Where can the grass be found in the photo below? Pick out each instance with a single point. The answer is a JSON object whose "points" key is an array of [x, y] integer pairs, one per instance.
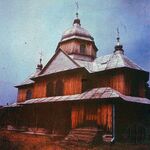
{"points": [[10, 140]]}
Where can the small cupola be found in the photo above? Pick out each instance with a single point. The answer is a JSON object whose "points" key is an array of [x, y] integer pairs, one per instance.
{"points": [[118, 46]]}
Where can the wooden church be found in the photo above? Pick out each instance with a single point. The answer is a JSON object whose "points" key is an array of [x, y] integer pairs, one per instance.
{"points": [[82, 96]]}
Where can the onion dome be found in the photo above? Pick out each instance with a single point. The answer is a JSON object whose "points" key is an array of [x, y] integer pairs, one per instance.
{"points": [[76, 31]]}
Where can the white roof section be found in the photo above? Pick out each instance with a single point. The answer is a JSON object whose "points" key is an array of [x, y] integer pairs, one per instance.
{"points": [[59, 62], [107, 62]]}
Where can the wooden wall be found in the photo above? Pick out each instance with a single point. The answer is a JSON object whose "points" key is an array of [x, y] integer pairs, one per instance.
{"points": [[92, 114], [125, 81], [73, 46], [39, 89], [134, 83], [71, 81], [77, 115], [113, 79], [104, 116], [22, 93], [132, 122]]}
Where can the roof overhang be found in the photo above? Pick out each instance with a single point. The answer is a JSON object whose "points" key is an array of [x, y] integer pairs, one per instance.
{"points": [[98, 94], [60, 72]]}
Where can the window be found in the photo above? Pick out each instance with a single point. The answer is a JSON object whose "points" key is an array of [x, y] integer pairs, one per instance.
{"points": [[59, 90], [28, 94], [49, 89], [82, 48]]}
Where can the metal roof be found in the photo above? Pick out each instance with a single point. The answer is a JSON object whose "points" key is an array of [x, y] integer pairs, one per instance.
{"points": [[76, 31], [105, 93], [63, 62], [27, 81], [11, 105], [112, 61], [59, 62]]}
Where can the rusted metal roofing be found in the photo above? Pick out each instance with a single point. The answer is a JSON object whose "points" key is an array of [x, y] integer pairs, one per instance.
{"points": [[105, 93]]}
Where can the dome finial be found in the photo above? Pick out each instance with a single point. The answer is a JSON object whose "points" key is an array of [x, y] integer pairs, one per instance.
{"points": [[118, 47], [77, 9], [118, 37], [77, 20], [40, 66]]}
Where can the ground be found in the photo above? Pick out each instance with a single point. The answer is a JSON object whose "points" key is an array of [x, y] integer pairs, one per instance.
{"points": [[10, 140]]}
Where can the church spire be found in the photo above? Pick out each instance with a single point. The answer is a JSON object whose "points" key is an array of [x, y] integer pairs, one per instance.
{"points": [[77, 20], [118, 46]]}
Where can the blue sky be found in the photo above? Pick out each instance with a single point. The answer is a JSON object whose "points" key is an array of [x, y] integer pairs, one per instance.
{"points": [[29, 26]]}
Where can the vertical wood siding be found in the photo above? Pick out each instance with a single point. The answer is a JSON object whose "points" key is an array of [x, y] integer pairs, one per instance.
{"points": [[74, 47], [22, 93], [77, 116], [83, 115], [115, 80], [105, 116]]}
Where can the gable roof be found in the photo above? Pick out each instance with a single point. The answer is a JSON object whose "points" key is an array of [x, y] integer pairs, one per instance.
{"points": [[59, 62]]}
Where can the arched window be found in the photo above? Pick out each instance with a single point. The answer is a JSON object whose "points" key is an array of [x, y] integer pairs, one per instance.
{"points": [[82, 48], [49, 89], [59, 90], [28, 94]]}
